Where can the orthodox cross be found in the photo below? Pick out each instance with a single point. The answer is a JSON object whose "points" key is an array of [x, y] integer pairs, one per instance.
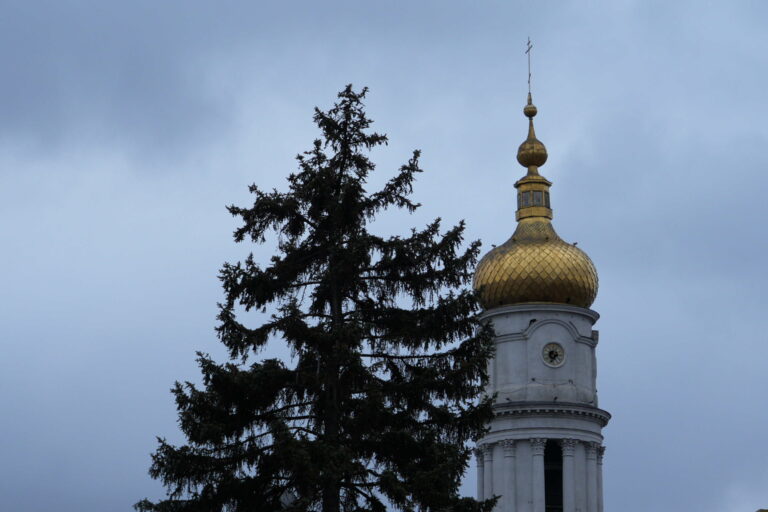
{"points": [[528, 49]]}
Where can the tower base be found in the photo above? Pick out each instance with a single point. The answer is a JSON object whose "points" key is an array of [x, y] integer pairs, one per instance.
{"points": [[543, 452]]}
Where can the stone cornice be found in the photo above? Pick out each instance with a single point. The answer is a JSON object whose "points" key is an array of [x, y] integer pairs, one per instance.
{"points": [[536, 307], [550, 409]]}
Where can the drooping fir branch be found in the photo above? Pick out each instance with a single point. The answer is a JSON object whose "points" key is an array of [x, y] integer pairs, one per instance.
{"points": [[384, 389]]}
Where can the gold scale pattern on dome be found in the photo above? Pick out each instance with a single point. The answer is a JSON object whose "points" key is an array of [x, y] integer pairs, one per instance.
{"points": [[535, 265]]}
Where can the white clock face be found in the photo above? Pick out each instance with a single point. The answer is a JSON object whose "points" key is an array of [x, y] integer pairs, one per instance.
{"points": [[553, 354]]}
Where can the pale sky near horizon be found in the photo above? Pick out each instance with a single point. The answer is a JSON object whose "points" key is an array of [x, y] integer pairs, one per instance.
{"points": [[125, 129]]}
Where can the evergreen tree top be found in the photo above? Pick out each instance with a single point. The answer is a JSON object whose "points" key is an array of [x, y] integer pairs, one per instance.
{"points": [[383, 392]]}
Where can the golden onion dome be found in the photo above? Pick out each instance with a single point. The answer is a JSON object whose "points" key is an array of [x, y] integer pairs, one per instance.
{"points": [[535, 264]]}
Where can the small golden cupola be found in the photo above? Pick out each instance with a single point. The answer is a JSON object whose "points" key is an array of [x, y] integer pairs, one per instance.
{"points": [[535, 265]]}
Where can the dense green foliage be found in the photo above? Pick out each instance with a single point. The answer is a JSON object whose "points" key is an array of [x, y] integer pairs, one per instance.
{"points": [[383, 393]]}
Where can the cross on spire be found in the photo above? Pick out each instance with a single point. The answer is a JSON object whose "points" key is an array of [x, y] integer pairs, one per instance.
{"points": [[528, 48]]}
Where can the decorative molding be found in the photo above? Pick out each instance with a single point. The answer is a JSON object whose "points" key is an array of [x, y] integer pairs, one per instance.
{"points": [[528, 332], [587, 341], [538, 445], [568, 326], [600, 453], [549, 409], [479, 456], [514, 336], [568, 446], [591, 450], [488, 451], [509, 447]]}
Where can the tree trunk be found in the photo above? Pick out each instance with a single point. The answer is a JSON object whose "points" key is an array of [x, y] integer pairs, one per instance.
{"points": [[331, 488]]}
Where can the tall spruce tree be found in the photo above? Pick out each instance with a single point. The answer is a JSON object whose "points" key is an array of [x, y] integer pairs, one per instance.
{"points": [[376, 407]]}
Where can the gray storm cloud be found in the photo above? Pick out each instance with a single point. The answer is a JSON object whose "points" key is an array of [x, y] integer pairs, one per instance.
{"points": [[126, 128]]}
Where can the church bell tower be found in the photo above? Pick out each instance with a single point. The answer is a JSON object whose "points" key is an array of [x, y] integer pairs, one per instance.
{"points": [[544, 450]]}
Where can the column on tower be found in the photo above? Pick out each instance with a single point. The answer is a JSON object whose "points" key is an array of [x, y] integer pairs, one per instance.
{"points": [[600, 452], [480, 471], [592, 477], [510, 477], [537, 451], [580, 476], [488, 471], [569, 483]]}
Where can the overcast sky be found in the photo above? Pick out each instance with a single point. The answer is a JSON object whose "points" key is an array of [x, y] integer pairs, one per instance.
{"points": [[126, 127]]}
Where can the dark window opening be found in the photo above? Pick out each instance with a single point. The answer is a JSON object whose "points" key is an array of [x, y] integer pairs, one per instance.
{"points": [[537, 198], [526, 199], [553, 477]]}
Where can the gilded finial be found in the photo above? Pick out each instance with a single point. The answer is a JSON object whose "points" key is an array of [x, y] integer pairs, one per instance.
{"points": [[531, 154]]}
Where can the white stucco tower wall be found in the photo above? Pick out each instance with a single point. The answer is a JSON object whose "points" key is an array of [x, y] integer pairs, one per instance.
{"points": [[540, 401]]}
